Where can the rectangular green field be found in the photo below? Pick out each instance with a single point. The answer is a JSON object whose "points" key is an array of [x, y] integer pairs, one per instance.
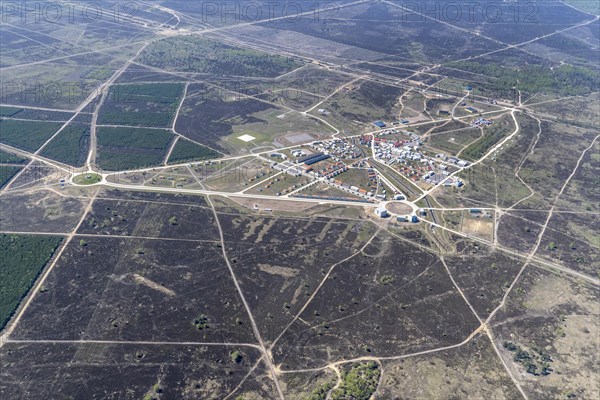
{"points": [[27, 135], [152, 105], [186, 150], [70, 146], [130, 148], [23, 258]]}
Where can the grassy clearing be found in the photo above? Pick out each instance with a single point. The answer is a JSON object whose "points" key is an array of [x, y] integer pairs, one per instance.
{"points": [[87, 179]]}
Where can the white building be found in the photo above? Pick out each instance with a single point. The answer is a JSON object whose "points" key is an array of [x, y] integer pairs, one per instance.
{"points": [[381, 212]]}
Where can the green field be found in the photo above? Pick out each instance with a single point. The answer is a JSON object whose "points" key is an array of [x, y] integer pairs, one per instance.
{"points": [[9, 111], [23, 258], [8, 158], [27, 135], [70, 146], [6, 173], [152, 105], [130, 148], [185, 150]]}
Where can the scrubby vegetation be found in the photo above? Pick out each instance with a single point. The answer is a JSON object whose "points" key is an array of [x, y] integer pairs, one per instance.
{"points": [[535, 363], [70, 146], [359, 383], [320, 393], [565, 80], [201, 322], [27, 135], [196, 54], [23, 257], [185, 150]]}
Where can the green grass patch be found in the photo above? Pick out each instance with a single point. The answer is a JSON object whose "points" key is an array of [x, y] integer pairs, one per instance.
{"points": [[87, 179], [27, 135], [185, 151], [130, 148], [6, 173], [24, 257], [70, 146]]}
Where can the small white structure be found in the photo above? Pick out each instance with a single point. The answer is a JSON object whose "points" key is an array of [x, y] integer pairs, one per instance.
{"points": [[246, 138], [381, 212]]}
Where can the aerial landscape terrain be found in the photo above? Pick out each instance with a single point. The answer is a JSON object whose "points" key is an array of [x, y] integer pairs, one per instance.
{"points": [[338, 200]]}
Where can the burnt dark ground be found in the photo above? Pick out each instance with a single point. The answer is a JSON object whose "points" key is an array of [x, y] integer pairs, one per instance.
{"points": [[393, 298], [120, 371], [109, 286]]}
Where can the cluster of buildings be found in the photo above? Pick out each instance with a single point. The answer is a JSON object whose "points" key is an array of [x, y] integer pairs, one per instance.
{"points": [[479, 213], [337, 148], [290, 168], [410, 161], [453, 160], [381, 212], [331, 170], [366, 193], [481, 122]]}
